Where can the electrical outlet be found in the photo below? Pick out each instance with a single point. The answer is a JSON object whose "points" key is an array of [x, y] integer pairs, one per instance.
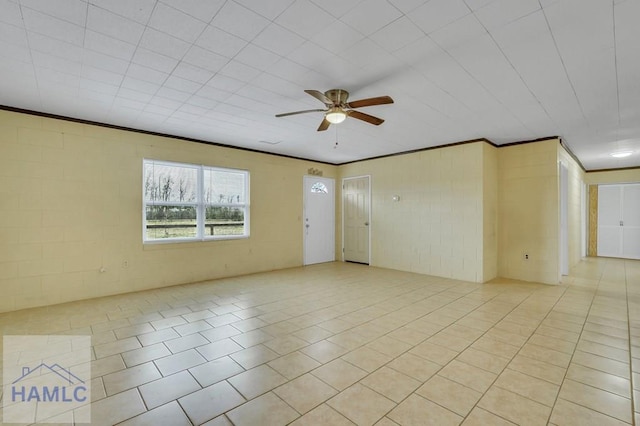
{"points": [[526, 256], [125, 263]]}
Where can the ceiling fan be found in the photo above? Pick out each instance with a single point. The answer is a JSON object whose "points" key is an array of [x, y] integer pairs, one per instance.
{"points": [[338, 109]]}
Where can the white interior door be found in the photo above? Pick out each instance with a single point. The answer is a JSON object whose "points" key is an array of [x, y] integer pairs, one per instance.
{"points": [[609, 216], [356, 219], [319, 220], [631, 221], [619, 221]]}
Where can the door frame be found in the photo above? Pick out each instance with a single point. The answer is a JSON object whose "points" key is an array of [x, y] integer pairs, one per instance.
{"points": [[369, 210], [304, 214]]}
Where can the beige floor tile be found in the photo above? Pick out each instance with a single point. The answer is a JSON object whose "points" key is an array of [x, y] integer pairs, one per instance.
{"points": [[468, 375], [324, 351], [145, 354], [168, 322], [570, 414], [180, 361], [539, 369], [220, 333], [168, 414], [600, 380], [116, 347], [495, 347], [266, 410], [548, 355], [168, 389], [339, 374], [597, 399], [313, 334], [414, 366], [251, 338], [198, 315], [604, 339], [257, 381], [449, 394], [607, 365], [187, 342], [366, 359], [249, 324], [293, 365], [223, 319], [450, 341], [219, 421], [285, 344], [102, 337], [157, 336], [131, 377], [553, 343], [305, 393], [323, 415], [480, 417], [349, 339], [218, 349], [361, 405], [417, 411], [214, 371], [390, 383], [409, 335], [514, 407], [484, 360], [530, 387], [435, 353], [133, 330], [253, 356], [115, 409], [389, 346], [210, 402], [103, 366], [603, 350]]}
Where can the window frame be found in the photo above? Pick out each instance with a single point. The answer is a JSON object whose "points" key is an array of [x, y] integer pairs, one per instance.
{"points": [[199, 204]]}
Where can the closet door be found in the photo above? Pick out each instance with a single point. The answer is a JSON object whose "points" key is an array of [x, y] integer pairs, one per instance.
{"points": [[609, 220], [631, 221]]}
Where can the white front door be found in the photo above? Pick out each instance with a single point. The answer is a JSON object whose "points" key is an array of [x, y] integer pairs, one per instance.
{"points": [[319, 220], [619, 221], [355, 207]]}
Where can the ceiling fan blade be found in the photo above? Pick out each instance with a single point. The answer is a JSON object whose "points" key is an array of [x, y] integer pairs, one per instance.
{"points": [[320, 96], [324, 125], [365, 117], [380, 100], [299, 112]]}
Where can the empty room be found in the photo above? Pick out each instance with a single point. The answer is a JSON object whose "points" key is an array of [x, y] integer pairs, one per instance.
{"points": [[305, 212]]}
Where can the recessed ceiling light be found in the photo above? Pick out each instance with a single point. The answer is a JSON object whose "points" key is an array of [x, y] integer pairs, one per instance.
{"points": [[621, 154]]}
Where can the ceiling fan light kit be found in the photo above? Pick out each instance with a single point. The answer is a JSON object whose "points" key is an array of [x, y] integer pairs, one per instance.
{"points": [[337, 107], [335, 115]]}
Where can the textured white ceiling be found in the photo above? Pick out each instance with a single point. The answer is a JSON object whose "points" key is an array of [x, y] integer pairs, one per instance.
{"points": [[219, 71]]}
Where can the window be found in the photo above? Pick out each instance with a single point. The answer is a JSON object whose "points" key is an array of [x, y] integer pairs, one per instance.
{"points": [[319, 188], [186, 202]]}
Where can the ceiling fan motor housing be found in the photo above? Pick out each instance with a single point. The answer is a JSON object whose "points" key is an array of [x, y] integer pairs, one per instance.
{"points": [[338, 96]]}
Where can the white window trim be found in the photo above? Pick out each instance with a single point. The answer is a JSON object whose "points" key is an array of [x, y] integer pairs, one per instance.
{"points": [[199, 204]]}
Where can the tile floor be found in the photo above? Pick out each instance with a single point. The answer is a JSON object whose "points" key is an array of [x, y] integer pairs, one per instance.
{"points": [[343, 344]]}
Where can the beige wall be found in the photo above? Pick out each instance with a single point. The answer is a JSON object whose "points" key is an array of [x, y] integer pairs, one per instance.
{"points": [[528, 211], [437, 226], [71, 204], [613, 176]]}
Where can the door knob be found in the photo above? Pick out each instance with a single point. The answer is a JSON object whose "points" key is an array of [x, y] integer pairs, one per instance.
{"points": [[366, 224]]}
